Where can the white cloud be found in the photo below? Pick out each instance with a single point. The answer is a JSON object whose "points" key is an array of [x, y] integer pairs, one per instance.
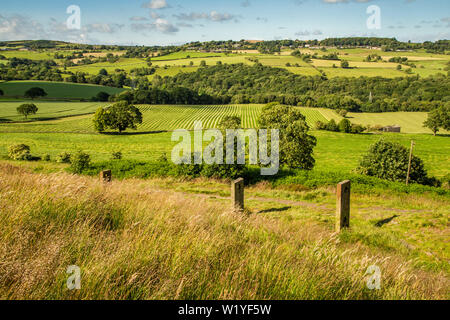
{"points": [[156, 4], [137, 18], [309, 33], [212, 16], [160, 25]]}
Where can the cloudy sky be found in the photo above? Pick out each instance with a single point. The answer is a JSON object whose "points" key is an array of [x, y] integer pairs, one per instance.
{"points": [[164, 22]]}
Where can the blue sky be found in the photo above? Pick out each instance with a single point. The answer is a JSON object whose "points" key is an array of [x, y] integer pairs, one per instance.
{"points": [[164, 22]]}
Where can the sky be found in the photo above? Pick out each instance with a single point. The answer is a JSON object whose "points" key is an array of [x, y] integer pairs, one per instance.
{"points": [[174, 22]]}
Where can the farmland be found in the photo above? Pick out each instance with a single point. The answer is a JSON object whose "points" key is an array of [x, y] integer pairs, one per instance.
{"points": [[426, 63], [168, 118], [131, 236], [55, 90]]}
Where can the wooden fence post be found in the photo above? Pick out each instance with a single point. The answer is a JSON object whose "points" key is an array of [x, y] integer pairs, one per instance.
{"points": [[237, 194], [410, 162], [106, 176], [343, 205]]}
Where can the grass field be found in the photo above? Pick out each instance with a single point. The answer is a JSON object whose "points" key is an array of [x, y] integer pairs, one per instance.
{"points": [[56, 90], [334, 151], [47, 110], [411, 122], [130, 240], [74, 130]]}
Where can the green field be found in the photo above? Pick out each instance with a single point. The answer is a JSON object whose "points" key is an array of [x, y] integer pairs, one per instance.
{"points": [[427, 63], [156, 118], [56, 90], [168, 118], [334, 152], [47, 110], [411, 122]]}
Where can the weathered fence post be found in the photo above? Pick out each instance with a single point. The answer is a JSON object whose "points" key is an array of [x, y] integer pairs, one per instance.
{"points": [[410, 162], [106, 176], [343, 205], [237, 194]]}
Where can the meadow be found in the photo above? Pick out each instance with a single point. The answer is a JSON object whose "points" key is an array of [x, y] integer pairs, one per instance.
{"points": [[56, 90], [130, 244], [334, 152], [65, 126]]}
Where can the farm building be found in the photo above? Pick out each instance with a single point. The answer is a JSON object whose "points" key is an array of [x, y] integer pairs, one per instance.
{"points": [[394, 128]]}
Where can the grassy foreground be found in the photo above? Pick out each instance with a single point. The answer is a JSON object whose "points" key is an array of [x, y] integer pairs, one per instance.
{"points": [[160, 239]]}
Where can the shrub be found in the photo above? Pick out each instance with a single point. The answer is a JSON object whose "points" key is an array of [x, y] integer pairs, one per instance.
{"points": [[63, 157], [446, 181], [321, 126], [332, 126], [80, 161], [389, 160], [345, 126], [19, 152], [46, 157], [116, 155], [357, 129], [345, 64], [375, 128], [342, 112]]}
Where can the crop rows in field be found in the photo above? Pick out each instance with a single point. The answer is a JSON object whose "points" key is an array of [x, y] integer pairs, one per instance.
{"points": [[312, 116], [183, 117], [161, 118]]}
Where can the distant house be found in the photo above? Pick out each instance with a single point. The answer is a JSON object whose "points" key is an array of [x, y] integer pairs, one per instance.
{"points": [[394, 128]]}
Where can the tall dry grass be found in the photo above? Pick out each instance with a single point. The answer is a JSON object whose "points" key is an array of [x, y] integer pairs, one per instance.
{"points": [[133, 241]]}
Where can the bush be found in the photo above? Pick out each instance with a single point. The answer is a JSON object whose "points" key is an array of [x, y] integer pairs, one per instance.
{"points": [[446, 181], [332, 126], [63, 157], [345, 126], [116, 155], [342, 112], [389, 160], [358, 129], [19, 152], [46, 157], [80, 161], [321, 126]]}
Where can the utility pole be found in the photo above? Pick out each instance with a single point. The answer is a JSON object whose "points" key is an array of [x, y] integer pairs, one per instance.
{"points": [[410, 160]]}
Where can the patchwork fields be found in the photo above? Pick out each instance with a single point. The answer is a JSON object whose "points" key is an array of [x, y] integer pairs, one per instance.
{"points": [[187, 61]]}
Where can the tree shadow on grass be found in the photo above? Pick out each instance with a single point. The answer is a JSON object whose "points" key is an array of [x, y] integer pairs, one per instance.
{"points": [[381, 223], [132, 133]]}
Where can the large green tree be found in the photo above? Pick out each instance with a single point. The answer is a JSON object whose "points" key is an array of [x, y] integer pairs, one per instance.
{"points": [[438, 119], [120, 116], [35, 93], [296, 145], [26, 109]]}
